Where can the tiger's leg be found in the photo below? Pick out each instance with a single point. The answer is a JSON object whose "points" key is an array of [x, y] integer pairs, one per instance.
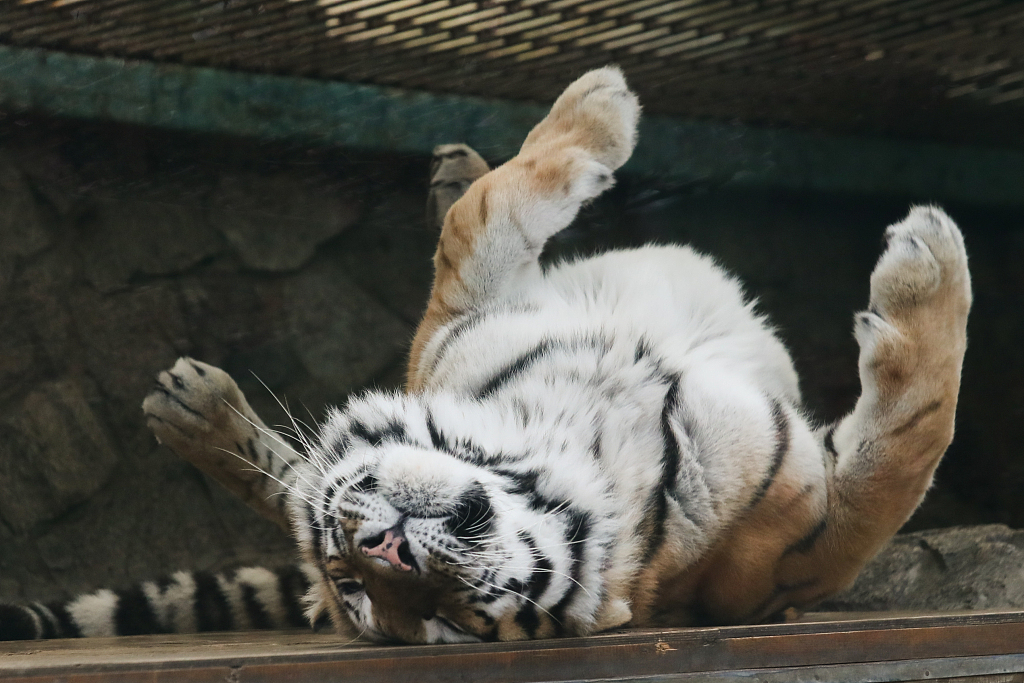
{"points": [[452, 170], [882, 456], [493, 236], [200, 413]]}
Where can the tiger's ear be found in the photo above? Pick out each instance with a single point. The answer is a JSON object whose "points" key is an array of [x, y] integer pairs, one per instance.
{"points": [[452, 170]]}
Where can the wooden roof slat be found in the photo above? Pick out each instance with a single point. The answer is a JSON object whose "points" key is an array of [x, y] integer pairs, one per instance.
{"points": [[556, 28], [334, 7], [662, 42], [522, 26], [681, 15], [1008, 96], [897, 46], [501, 20], [470, 18], [617, 32], [637, 38], [628, 7], [456, 10], [161, 17], [392, 7]]}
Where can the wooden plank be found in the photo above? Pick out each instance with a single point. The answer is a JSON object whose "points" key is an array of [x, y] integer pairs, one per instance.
{"points": [[865, 648]]}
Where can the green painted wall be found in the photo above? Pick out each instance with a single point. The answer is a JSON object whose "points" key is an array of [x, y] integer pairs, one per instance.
{"points": [[371, 117]]}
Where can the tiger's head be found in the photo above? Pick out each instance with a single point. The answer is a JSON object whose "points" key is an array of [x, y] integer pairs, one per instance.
{"points": [[424, 535]]}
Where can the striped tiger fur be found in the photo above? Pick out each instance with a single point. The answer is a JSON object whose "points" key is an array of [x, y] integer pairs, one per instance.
{"points": [[618, 440], [186, 602]]}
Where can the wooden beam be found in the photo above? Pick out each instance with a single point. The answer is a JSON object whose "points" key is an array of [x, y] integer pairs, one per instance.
{"points": [[877, 649], [385, 119]]}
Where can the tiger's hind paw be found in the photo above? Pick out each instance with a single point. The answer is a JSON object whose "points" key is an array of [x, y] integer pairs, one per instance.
{"points": [[924, 263], [914, 334], [597, 113]]}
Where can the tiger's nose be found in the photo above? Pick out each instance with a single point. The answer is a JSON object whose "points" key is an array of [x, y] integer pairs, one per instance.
{"points": [[391, 546]]}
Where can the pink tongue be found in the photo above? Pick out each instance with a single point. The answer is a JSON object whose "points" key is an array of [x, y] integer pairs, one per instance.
{"points": [[388, 550]]}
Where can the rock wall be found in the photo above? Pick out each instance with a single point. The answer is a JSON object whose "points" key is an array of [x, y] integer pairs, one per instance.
{"points": [[960, 568], [122, 249], [303, 273]]}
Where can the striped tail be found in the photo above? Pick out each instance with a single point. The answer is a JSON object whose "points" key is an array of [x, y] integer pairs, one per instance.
{"points": [[187, 602]]}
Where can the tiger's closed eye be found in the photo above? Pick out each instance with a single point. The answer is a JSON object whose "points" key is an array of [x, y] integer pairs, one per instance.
{"points": [[348, 586], [368, 484]]}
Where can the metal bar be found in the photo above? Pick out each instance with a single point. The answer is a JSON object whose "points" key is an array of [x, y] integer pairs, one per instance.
{"points": [[362, 116]]}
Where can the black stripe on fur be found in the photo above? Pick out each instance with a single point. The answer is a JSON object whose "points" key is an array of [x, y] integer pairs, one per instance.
{"points": [[254, 455], [46, 619], [134, 615], [292, 585], [484, 617], [642, 350], [437, 439], [487, 594], [16, 623], [212, 610], [339, 447], [461, 448], [366, 484], [254, 610], [468, 321], [315, 531], [658, 507], [393, 431], [460, 328], [68, 627], [830, 446], [329, 493], [576, 538], [528, 619], [781, 449], [916, 418], [525, 484], [513, 369], [540, 578]]}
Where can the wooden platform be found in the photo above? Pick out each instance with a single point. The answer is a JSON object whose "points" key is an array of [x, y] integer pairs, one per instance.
{"points": [[866, 648]]}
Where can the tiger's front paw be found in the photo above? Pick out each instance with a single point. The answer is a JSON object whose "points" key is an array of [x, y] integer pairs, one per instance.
{"points": [[194, 404], [201, 414]]}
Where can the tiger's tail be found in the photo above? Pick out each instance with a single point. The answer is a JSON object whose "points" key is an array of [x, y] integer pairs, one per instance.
{"points": [[186, 602]]}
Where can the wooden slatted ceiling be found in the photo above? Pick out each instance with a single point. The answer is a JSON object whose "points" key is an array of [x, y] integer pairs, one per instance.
{"points": [[844, 65]]}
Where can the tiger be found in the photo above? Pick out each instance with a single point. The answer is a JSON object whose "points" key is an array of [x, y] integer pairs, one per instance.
{"points": [[603, 442]]}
